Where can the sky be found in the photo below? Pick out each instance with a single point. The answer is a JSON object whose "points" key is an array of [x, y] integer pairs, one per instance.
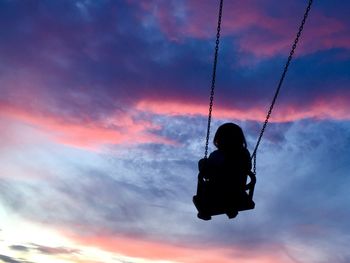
{"points": [[103, 114]]}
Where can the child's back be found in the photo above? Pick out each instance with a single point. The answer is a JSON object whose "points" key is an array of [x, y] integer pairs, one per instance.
{"points": [[228, 171]]}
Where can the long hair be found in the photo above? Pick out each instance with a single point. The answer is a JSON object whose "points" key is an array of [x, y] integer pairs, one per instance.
{"points": [[229, 136]]}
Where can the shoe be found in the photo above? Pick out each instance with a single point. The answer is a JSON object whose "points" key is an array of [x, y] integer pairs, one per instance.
{"points": [[203, 216], [232, 214]]}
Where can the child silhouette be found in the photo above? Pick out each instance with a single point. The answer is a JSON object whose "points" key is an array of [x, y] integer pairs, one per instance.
{"points": [[222, 179]]}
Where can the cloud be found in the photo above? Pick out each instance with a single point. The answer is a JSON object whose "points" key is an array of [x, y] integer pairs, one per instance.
{"points": [[55, 250], [45, 249], [116, 129], [261, 32], [19, 248], [8, 259], [335, 108], [133, 76], [162, 251], [138, 200], [103, 85]]}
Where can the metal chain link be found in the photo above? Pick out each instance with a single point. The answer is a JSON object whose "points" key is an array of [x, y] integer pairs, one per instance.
{"points": [[301, 27], [213, 79]]}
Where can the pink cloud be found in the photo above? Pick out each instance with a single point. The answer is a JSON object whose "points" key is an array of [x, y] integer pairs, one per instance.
{"points": [[157, 250], [320, 33], [90, 134], [126, 129], [331, 108], [258, 32]]}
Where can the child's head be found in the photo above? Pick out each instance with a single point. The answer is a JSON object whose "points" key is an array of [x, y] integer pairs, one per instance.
{"points": [[229, 136]]}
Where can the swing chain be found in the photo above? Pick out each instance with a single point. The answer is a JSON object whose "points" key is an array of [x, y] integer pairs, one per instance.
{"points": [[301, 27], [213, 79]]}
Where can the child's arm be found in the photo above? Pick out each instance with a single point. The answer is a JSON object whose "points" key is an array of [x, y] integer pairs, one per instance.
{"points": [[209, 166], [204, 168], [201, 164]]}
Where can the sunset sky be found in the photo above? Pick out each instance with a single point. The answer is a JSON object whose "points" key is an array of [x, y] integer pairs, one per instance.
{"points": [[103, 111]]}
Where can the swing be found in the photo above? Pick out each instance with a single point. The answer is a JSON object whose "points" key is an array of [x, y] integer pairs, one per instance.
{"points": [[209, 199]]}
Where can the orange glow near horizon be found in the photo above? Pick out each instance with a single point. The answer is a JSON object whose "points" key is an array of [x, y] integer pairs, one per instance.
{"points": [[163, 251], [106, 247]]}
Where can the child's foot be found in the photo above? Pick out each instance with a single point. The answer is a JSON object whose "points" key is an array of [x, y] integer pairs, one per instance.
{"points": [[203, 216], [232, 214]]}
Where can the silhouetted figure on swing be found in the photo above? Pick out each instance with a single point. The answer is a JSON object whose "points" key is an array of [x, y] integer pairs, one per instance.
{"points": [[222, 180]]}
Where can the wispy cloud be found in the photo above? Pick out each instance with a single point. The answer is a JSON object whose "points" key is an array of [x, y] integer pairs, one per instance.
{"points": [[137, 202], [8, 259], [116, 129]]}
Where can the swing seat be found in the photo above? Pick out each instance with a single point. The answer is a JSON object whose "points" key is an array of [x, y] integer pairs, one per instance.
{"points": [[212, 198], [210, 205]]}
